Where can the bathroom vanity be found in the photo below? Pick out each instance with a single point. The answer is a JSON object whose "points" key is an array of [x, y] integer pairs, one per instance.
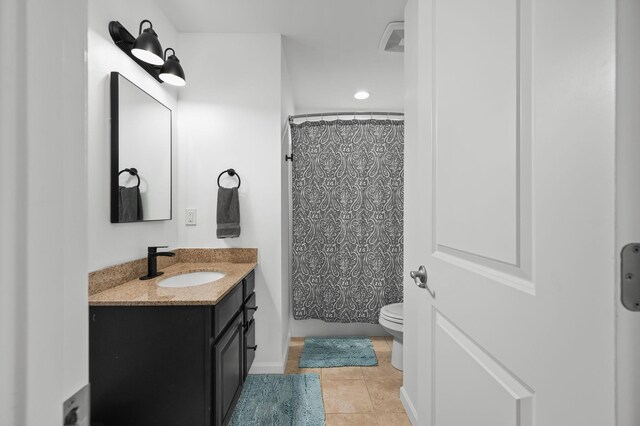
{"points": [[172, 356]]}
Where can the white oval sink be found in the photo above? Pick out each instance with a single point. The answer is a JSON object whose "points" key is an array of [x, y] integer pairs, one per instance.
{"points": [[191, 279]]}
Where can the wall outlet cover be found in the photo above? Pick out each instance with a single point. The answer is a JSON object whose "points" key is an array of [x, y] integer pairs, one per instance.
{"points": [[190, 217], [75, 410]]}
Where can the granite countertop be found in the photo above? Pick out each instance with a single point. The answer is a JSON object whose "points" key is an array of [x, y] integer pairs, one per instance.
{"points": [[139, 292], [119, 285]]}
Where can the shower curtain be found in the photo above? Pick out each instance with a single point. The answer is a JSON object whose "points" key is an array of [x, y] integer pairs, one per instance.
{"points": [[347, 191]]}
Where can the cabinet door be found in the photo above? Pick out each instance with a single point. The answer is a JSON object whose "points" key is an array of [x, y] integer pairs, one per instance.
{"points": [[250, 346], [148, 365], [228, 375]]}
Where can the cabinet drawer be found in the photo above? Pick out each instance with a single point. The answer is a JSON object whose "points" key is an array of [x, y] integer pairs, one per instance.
{"points": [[250, 346], [249, 308], [249, 284], [224, 311]]}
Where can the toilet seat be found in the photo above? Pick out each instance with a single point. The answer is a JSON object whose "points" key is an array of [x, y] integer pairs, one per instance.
{"points": [[393, 313], [390, 325], [391, 320]]}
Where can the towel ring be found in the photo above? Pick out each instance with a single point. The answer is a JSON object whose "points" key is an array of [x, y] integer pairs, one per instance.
{"points": [[230, 172], [133, 172]]}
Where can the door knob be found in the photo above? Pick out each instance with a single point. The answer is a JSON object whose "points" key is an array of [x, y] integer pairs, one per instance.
{"points": [[420, 277]]}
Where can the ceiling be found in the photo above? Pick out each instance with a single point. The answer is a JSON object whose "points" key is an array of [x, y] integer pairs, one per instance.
{"points": [[331, 46]]}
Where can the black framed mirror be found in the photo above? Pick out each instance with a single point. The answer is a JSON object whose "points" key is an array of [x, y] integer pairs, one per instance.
{"points": [[141, 154]]}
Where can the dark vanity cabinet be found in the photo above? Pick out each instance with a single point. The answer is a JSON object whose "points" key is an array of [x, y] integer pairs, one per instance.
{"points": [[171, 365], [228, 372], [249, 324]]}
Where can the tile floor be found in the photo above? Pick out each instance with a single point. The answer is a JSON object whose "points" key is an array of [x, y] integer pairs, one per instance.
{"points": [[358, 396]]}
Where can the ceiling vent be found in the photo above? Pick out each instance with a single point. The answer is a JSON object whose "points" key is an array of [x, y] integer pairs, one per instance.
{"points": [[393, 38]]}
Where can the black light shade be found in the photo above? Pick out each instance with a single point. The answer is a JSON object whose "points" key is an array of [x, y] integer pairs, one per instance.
{"points": [[147, 47], [171, 71]]}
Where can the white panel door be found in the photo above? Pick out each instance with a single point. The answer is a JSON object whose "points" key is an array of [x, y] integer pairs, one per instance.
{"points": [[509, 204], [628, 203]]}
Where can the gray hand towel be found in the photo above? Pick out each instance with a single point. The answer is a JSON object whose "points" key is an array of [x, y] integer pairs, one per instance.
{"points": [[228, 216], [130, 204]]}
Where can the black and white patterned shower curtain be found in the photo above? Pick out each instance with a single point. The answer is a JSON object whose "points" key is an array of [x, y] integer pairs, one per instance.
{"points": [[348, 190]]}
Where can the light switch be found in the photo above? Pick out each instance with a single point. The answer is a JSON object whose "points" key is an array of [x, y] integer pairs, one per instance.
{"points": [[190, 217]]}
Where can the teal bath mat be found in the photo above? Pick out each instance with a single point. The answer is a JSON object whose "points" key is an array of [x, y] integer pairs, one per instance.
{"points": [[280, 400], [337, 352]]}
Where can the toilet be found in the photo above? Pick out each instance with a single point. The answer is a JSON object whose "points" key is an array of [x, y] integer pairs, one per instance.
{"points": [[391, 319]]}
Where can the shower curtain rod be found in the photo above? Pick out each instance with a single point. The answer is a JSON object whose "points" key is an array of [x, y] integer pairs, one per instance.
{"points": [[338, 114]]}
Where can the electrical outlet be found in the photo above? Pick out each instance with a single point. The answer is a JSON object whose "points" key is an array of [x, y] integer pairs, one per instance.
{"points": [[75, 410], [190, 217]]}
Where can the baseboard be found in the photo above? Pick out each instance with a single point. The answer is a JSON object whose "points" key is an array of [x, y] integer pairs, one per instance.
{"points": [[408, 406], [272, 367], [285, 352], [267, 368], [313, 327]]}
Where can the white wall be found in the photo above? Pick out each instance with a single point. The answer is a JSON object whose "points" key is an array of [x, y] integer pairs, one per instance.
{"points": [[109, 243], [43, 225], [288, 108], [13, 226], [413, 296], [230, 117]]}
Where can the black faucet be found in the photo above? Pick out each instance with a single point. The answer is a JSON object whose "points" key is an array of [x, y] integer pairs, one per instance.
{"points": [[152, 261]]}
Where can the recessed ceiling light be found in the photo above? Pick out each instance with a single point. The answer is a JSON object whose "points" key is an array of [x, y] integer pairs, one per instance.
{"points": [[361, 95]]}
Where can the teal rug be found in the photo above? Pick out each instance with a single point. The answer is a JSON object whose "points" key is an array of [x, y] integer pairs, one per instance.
{"points": [[337, 352], [280, 400]]}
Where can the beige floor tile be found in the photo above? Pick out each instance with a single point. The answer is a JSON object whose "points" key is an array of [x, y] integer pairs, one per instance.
{"points": [[393, 419], [385, 395], [293, 368], [351, 420], [297, 341], [346, 396], [384, 358], [389, 340], [380, 345], [384, 369], [341, 373], [296, 348], [294, 353]]}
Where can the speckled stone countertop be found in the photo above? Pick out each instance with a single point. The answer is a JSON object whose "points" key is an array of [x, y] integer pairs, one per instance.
{"points": [[137, 292]]}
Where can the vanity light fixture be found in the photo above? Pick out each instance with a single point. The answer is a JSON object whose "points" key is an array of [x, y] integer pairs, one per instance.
{"points": [[147, 47], [171, 71], [146, 51]]}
